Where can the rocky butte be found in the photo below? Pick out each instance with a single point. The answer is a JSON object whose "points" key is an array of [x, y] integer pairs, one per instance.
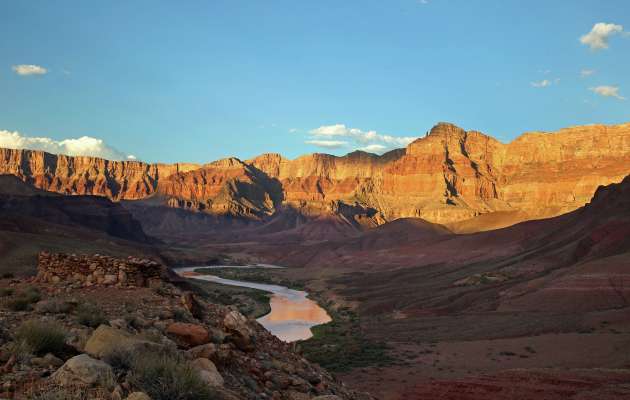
{"points": [[449, 176]]}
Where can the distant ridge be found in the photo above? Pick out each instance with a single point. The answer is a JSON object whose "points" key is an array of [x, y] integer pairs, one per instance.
{"points": [[446, 177]]}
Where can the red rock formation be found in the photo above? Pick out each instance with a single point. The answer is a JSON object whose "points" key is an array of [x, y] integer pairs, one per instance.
{"points": [[449, 175]]}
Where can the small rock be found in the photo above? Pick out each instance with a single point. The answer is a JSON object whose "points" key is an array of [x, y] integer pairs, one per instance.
{"points": [[138, 396], [48, 360], [240, 331], [208, 371], [82, 370], [204, 351], [188, 335], [105, 338]]}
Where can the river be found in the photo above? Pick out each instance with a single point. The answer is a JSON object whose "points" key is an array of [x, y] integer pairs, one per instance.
{"points": [[292, 314]]}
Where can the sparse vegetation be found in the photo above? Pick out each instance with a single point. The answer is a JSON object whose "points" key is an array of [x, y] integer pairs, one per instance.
{"points": [[41, 337], [68, 393], [90, 315], [167, 377], [32, 294], [53, 306], [23, 299], [18, 304], [5, 292], [340, 346], [119, 358]]}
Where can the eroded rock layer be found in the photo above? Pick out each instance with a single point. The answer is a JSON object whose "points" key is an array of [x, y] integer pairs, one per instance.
{"points": [[449, 175]]}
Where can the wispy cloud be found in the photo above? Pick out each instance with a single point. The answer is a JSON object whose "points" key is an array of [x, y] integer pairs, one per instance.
{"points": [[341, 136], [542, 84], [83, 146], [586, 72], [327, 144], [608, 91], [597, 38], [29, 69]]}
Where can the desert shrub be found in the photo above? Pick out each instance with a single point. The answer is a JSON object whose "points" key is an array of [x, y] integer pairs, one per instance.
{"points": [[53, 307], [18, 304], [24, 299], [42, 337], [167, 377], [21, 350], [48, 392], [31, 294], [119, 358], [181, 315], [90, 315], [8, 275], [5, 292]]}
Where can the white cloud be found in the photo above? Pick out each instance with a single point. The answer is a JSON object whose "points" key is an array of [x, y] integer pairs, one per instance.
{"points": [[29, 69], [83, 146], [608, 91], [293, 130], [328, 144], [586, 72], [597, 38], [374, 148], [541, 84], [356, 138]]}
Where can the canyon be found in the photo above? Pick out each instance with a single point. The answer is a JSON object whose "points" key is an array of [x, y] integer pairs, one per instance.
{"points": [[459, 267], [465, 180]]}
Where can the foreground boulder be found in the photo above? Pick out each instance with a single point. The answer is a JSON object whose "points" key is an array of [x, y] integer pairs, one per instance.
{"points": [[240, 332], [83, 370], [105, 339], [188, 335], [208, 371]]}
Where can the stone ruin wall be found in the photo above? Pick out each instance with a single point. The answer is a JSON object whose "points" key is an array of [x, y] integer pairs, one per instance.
{"points": [[98, 270]]}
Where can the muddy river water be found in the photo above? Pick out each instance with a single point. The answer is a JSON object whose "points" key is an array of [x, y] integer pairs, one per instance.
{"points": [[292, 314]]}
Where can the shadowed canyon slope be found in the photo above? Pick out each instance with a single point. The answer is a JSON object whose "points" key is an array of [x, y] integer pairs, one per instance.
{"points": [[449, 176]]}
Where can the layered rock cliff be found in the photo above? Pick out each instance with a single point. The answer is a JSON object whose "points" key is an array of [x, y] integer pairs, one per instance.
{"points": [[447, 176]]}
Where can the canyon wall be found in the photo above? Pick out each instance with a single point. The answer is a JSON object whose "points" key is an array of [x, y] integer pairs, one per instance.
{"points": [[449, 175]]}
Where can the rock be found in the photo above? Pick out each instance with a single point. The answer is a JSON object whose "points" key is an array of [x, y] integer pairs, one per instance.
{"points": [[188, 335], [208, 371], [240, 332], [48, 360], [105, 339], [110, 279], [82, 370], [138, 396], [192, 305], [204, 351]]}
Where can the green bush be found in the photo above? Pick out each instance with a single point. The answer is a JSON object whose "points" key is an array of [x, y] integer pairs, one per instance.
{"points": [[53, 307], [18, 304], [119, 358], [23, 299], [42, 337], [5, 292], [90, 315], [167, 377], [31, 294]]}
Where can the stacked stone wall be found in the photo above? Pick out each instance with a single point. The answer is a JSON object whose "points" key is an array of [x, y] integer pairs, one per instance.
{"points": [[91, 270]]}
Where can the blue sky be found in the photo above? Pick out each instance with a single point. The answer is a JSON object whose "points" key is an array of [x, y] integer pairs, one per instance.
{"points": [[201, 80]]}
